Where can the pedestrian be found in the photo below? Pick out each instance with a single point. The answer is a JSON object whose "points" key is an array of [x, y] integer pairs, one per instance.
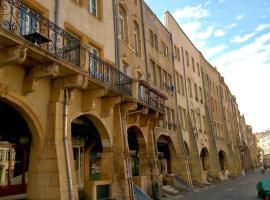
{"points": [[262, 169]]}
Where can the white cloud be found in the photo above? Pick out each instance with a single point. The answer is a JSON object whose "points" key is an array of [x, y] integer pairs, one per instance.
{"points": [[219, 33], [241, 39], [203, 35], [239, 17], [232, 25], [189, 13], [262, 27], [246, 71], [207, 3], [221, 1], [209, 52]]}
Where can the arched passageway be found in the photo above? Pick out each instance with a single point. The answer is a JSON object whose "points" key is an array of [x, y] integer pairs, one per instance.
{"points": [[137, 150], [88, 153], [15, 143], [165, 154], [204, 156], [223, 162]]}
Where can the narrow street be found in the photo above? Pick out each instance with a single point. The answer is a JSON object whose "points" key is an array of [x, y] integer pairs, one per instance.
{"points": [[241, 188]]}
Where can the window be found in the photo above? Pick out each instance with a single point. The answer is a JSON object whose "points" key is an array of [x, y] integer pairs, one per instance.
{"points": [[159, 79], [189, 87], [164, 50], [187, 58], [181, 117], [137, 38], [193, 118], [93, 65], [155, 41], [200, 120], [182, 85], [164, 79], [123, 23], [198, 69], [201, 95], [92, 7], [178, 82], [177, 53], [185, 119], [28, 21], [151, 37], [125, 68], [193, 64], [196, 92], [152, 73]]}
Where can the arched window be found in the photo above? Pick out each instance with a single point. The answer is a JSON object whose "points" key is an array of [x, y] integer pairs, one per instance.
{"points": [[137, 38], [123, 23]]}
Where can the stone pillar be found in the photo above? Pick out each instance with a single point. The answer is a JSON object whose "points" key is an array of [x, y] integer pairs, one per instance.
{"points": [[120, 189]]}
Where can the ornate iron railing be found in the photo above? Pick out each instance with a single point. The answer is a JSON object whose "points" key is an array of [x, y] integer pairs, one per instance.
{"points": [[105, 72], [20, 20], [150, 97]]}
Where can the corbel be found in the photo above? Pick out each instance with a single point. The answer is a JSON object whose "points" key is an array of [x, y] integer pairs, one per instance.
{"points": [[108, 104], [89, 98], [12, 55], [33, 74], [75, 81]]}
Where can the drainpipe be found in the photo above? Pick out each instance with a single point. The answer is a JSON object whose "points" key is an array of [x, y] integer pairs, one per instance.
{"points": [[56, 12], [116, 42], [126, 151], [66, 146], [144, 43]]}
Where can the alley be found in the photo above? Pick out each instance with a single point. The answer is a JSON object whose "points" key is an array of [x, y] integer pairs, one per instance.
{"points": [[241, 188]]}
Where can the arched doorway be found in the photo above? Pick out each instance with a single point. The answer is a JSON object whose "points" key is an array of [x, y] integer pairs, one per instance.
{"points": [[165, 154], [15, 143], [87, 153], [204, 156], [137, 150], [222, 160]]}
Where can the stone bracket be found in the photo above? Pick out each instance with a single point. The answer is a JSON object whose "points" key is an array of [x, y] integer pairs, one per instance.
{"points": [[108, 104], [75, 81], [12, 55], [89, 98], [39, 72]]}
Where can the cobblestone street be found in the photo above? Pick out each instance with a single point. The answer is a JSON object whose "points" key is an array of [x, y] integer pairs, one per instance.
{"points": [[241, 188]]}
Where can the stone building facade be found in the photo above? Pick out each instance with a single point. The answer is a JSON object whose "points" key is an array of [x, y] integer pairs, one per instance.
{"points": [[99, 96]]}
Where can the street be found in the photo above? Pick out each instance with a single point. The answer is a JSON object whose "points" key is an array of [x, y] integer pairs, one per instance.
{"points": [[241, 188]]}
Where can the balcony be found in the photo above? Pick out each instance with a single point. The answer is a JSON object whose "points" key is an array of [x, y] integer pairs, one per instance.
{"points": [[152, 97], [20, 20], [106, 73]]}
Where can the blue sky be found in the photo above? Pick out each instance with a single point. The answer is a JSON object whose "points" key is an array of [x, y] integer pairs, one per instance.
{"points": [[234, 35]]}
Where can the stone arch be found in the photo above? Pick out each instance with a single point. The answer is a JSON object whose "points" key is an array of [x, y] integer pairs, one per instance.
{"points": [[204, 156], [101, 128], [92, 153], [223, 160], [22, 106], [166, 154], [137, 151], [30, 145]]}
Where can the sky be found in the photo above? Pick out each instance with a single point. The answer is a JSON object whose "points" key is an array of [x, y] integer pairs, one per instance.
{"points": [[234, 36]]}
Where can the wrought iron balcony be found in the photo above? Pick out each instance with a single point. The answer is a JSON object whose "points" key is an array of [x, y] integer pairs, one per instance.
{"points": [[151, 96], [105, 72], [19, 19]]}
